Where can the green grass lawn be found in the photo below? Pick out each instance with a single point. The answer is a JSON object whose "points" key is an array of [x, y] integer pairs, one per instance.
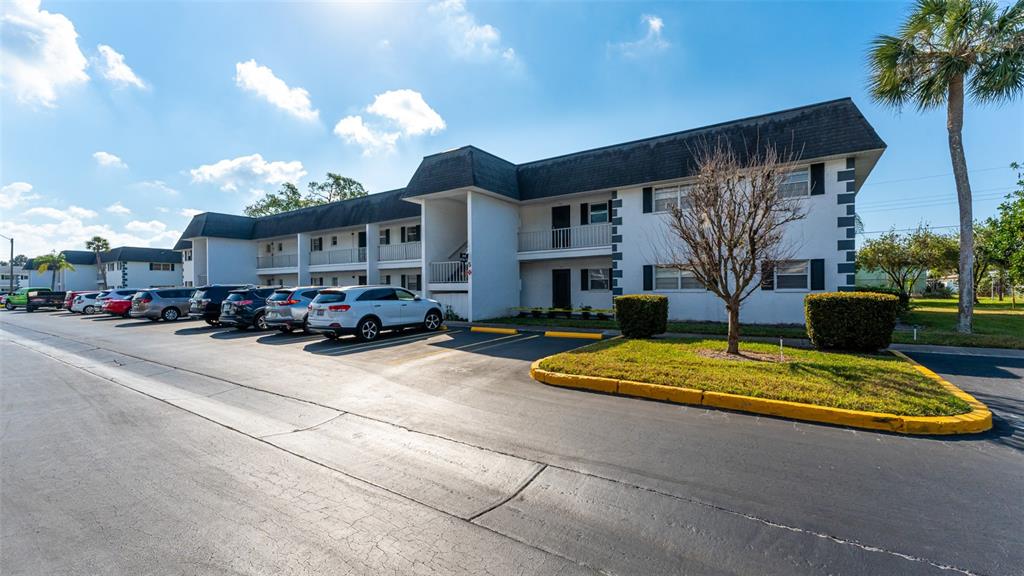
{"points": [[996, 324], [679, 327], [879, 383]]}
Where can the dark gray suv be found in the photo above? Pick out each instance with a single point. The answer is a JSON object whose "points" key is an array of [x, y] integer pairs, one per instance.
{"points": [[161, 303]]}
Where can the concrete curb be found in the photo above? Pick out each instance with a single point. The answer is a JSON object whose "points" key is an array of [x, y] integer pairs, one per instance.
{"points": [[979, 419], [547, 333]]}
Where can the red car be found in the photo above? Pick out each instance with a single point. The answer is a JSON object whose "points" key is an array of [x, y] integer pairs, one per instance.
{"points": [[117, 307]]}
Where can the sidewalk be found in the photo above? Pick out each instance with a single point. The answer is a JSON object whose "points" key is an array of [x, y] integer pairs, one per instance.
{"points": [[793, 342]]}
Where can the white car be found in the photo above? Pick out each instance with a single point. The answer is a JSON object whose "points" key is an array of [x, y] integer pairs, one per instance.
{"points": [[367, 310], [85, 303]]}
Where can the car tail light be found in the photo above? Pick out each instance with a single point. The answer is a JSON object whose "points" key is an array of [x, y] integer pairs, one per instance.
{"points": [[289, 302], [243, 302], [339, 308], [146, 300]]}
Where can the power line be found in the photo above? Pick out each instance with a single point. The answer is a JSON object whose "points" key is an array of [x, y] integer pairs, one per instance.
{"points": [[906, 229], [929, 198], [873, 183], [923, 202]]}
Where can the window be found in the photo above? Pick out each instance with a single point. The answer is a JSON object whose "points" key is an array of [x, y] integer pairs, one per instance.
{"points": [[797, 183], [404, 294], [412, 233], [411, 281], [187, 256], [334, 280], [378, 294], [316, 244], [270, 247], [599, 279], [599, 213], [792, 275], [157, 266], [188, 283], [669, 196], [334, 240], [280, 247], [385, 237], [387, 279], [673, 279]]}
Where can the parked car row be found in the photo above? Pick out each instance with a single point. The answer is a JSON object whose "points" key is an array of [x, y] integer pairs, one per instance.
{"points": [[363, 311]]}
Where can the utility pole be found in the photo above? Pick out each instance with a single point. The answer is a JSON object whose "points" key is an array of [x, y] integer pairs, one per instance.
{"points": [[10, 263]]}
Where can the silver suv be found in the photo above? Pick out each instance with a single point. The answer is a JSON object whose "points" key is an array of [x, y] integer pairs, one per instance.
{"points": [[161, 303], [288, 308]]}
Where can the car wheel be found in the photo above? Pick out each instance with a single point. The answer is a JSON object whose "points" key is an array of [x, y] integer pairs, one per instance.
{"points": [[126, 315], [170, 314], [8, 306], [260, 322], [305, 325], [89, 310], [213, 323], [432, 321], [331, 336], [368, 330]]}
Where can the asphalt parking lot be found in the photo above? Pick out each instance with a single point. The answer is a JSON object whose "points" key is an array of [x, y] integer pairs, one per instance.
{"points": [[436, 453]]}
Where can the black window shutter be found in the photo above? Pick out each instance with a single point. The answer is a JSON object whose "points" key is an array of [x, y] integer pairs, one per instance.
{"points": [[403, 234], [402, 283], [817, 179], [387, 236], [818, 274], [584, 214], [648, 200], [419, 281], [584, 278], [767, 276], [362, 239], [648, 277]]}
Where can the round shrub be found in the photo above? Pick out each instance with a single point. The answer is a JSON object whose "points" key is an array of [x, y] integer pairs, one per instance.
{"points": [[860, 321], [641, 315], [904, 297]]}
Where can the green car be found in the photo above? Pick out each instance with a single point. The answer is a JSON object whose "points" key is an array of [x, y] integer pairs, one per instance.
{"points": [[20, 296]]}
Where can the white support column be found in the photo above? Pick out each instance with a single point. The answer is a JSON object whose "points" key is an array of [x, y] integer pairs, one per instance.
{"points": [[372, 253], [302, 258]]}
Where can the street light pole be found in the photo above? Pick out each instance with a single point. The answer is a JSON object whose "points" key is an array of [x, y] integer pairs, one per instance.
{"points": [[10, 263]]}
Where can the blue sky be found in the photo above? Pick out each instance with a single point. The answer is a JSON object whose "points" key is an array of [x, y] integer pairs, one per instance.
{"points": [[121, 118]]}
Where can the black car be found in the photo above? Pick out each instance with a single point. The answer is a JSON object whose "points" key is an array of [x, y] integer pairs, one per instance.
{"points": [[246, 307], [205, 303]]}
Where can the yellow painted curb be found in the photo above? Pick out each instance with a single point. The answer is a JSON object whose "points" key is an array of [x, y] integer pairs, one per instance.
{"points": [[979, 419], [585, 335], [490, 330]]}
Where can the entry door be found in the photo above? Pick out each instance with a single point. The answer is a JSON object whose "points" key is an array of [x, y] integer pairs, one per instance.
{"points": [[561, 288], [560, 223]]}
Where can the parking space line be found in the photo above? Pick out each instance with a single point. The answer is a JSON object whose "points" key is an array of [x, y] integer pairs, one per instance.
{"points": [[439, 351], [398, 340]]}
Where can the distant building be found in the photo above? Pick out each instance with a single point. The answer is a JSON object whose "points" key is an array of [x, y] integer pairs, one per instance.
{"points": [[123, 267]]}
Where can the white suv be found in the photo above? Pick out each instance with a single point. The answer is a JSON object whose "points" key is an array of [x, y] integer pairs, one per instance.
{"points": [[366, 310]]}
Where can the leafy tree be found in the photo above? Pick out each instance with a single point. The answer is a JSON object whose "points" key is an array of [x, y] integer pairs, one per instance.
{"points": [[54, 262], [730, 228], [334, 189], [1008, 231], [20, 260], [99, 244], [905, 258], [944, 48]]}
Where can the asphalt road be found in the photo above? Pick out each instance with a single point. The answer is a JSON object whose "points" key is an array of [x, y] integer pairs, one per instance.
{"points": [[131, 447]]}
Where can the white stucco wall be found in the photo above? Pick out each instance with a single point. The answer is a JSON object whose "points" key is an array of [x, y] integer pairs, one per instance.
{"points": [[140, 276], [644, 238], [537, 282], [83, 277], [538, 216], [494, 282], [231, 261]]}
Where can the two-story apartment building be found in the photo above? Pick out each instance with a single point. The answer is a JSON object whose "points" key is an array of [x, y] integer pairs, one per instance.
{"points": [[484, 235], [123, 267]]}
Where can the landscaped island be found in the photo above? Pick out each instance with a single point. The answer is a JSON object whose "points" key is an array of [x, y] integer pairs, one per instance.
{"points": [[867, 382]]}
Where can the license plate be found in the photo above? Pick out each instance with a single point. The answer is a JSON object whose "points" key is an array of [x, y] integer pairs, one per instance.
{"points": [[319, 312]]}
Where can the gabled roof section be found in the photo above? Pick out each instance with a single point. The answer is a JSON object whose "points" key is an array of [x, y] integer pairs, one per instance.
{"points": [[140, 254], [80, 257], [219, 226], [830, 128], [461, 168]]}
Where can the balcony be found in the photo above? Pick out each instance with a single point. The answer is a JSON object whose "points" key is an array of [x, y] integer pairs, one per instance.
{"points": [[449, 272], [590, 236], [343, 256], [277, 261], [405, 251]]}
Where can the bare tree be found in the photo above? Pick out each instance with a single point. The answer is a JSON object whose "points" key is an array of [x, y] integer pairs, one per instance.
{"points": [[730, 226]]}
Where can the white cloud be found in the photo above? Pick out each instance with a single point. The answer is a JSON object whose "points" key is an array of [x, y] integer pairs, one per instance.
{"points": [[16, 193], [118, 208], [150, 228], [63, 230], [108, 160], [408, 110], [651, 43], [400, 112], [262, 81], [189, 212], [469, 39], [158, 186], [112, 67], [79, 212], [249, 172], [71, 212], [40, 53]]}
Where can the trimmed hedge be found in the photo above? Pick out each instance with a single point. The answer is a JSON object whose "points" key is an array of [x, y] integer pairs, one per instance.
{"points": [[904, 298], [860, 321], [641, 315]]}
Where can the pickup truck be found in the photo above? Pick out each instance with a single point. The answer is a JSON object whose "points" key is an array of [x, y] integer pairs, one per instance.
{"points": [[20, 297], [44, 299]]}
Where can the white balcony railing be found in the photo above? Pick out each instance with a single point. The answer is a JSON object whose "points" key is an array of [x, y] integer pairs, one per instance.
{"points": [[405, 251], [342, 256], [589, 236], [449, 272], [277, 261]]}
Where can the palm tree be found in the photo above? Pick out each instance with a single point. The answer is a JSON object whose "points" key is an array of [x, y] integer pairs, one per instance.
{"points": [[54, 262], [942, 49], [99, 244]]}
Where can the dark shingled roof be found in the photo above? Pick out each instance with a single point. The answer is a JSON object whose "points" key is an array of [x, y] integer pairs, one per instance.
{"points": [[379, 207], [815, 131], [79, 257], [137, 254]]}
